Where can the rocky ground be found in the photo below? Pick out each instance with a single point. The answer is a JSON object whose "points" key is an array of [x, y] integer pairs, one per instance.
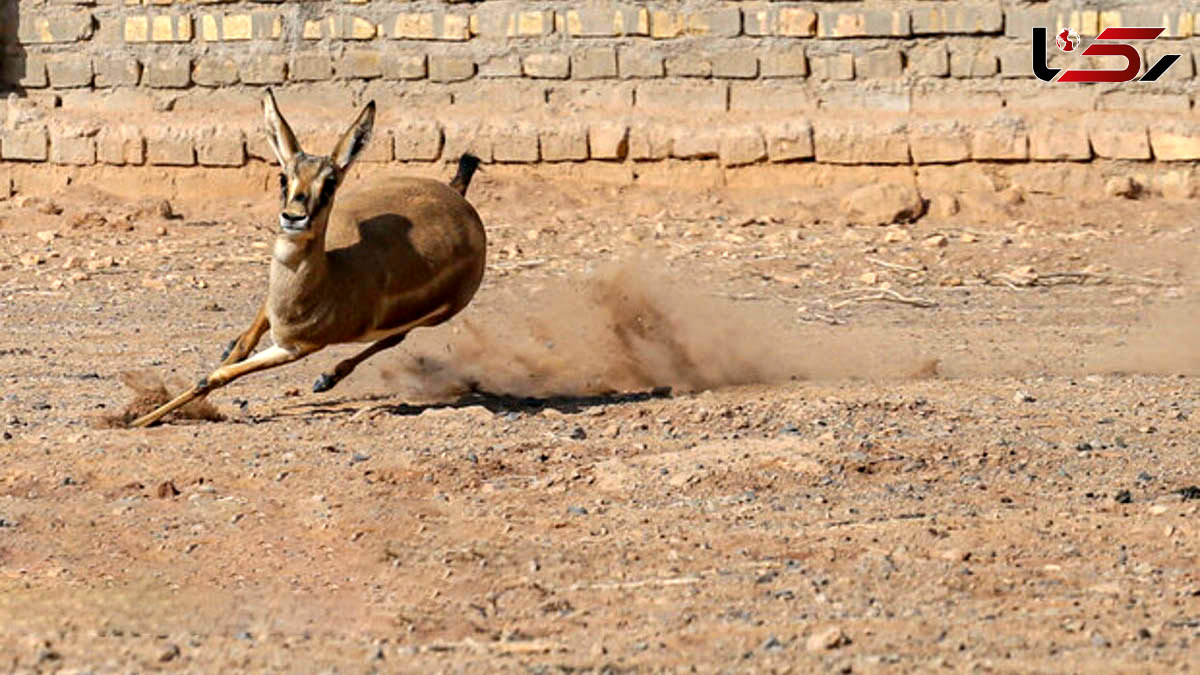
{"points": [[730, 430]]}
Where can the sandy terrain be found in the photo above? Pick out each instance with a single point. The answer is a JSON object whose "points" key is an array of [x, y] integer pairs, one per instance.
{"points": [[964, 444]]}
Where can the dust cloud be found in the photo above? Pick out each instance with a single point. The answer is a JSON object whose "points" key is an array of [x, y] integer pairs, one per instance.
{"points": [[629, 327], [149, 392]]}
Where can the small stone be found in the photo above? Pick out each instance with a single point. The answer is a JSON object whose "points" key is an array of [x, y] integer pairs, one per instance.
{"points": [[1022, 397], [166, 490], [1121, 186], [1158, 510], [869, 278], [830, 638], [896, 234], [772, 644], [935, 241], [1124, 497], [47, 236], [577, 510], [578, 434]]}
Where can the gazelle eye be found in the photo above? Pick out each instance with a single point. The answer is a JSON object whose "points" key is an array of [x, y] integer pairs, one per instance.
{"points": [[283, 185]]}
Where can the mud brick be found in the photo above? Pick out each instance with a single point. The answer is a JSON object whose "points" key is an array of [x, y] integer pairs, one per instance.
{"points": [[69, 27], [1003, 138], [69, 71], [380, 148], [859, 99], [938, 142], [169, 73], [312, 66], [547, 65], [120, 145], [170, 148], [446, 68], [501, 20], [1164, 103], [1052, 140], [789, 140], [166, 28], [500, 65], [1118, 138], [360, 64], [608, 140], [594, 63], [833, 67], [649, 141], [264, 69], [72, 149], [404, 67], [741, 145], [876, 142], [725, 22], [779, 21], [214, 71], [565, 143], [417, 140], [973, 63], [604, 20], [29, 144], [515, 142], [880, 64], [1016, 62], [225, 147], [572, 97], [1176, 140], [350, 27], [502, 96], [1178, 23], [430, 26], [689, 64], [684, 97], [465, 135], [768, 96], [930, 60], [688, 142], [940, 102], [28, 71], [787, 62], [738, 64], [863, 23], [633, 63], [958, 19], [115, 71]]}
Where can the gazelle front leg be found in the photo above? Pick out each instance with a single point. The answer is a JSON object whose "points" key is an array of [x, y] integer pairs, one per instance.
{"points": [[245, 343], [268, 358]]}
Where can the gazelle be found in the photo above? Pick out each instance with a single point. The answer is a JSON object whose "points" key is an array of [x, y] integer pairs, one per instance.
{"points": [[391, 258]]}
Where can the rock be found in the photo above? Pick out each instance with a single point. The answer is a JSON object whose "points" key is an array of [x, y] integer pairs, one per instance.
{"points": [[47, 236], [884, 204], [830, 638], [935, 241], [1121, 186], [897, 234], [943, 206]]}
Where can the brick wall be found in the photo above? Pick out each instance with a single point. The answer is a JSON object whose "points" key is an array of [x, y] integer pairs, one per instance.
{"points": [[177, 82]]}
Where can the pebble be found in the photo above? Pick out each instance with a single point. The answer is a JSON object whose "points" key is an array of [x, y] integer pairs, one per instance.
{"points": [[830, 638], [577, 510]]}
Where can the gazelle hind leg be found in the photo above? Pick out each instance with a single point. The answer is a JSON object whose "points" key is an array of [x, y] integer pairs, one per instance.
{"points": [[268, 358], [330, 379], [245, 343]]}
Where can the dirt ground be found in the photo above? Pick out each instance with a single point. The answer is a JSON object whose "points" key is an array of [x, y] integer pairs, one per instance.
{"points": [[714, 430]]}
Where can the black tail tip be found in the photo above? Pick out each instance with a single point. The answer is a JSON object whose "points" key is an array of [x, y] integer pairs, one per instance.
{"points": [[467, 164]]}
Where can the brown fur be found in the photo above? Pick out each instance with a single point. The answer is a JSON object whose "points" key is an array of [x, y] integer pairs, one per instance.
{"points": [[390, 258]]}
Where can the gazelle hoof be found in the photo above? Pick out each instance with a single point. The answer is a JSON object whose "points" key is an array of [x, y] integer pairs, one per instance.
{"points": [[229, 349], [324, 383]]}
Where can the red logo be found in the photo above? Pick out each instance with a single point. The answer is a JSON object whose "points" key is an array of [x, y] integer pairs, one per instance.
{"points": [[1067, 40]]}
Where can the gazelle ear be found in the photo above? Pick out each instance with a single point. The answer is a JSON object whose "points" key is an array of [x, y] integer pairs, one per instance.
{"points": [[279, 134], [355, 138]]}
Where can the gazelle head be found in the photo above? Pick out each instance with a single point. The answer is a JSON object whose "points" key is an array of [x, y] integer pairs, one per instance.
{"points": [[308, 182]]}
